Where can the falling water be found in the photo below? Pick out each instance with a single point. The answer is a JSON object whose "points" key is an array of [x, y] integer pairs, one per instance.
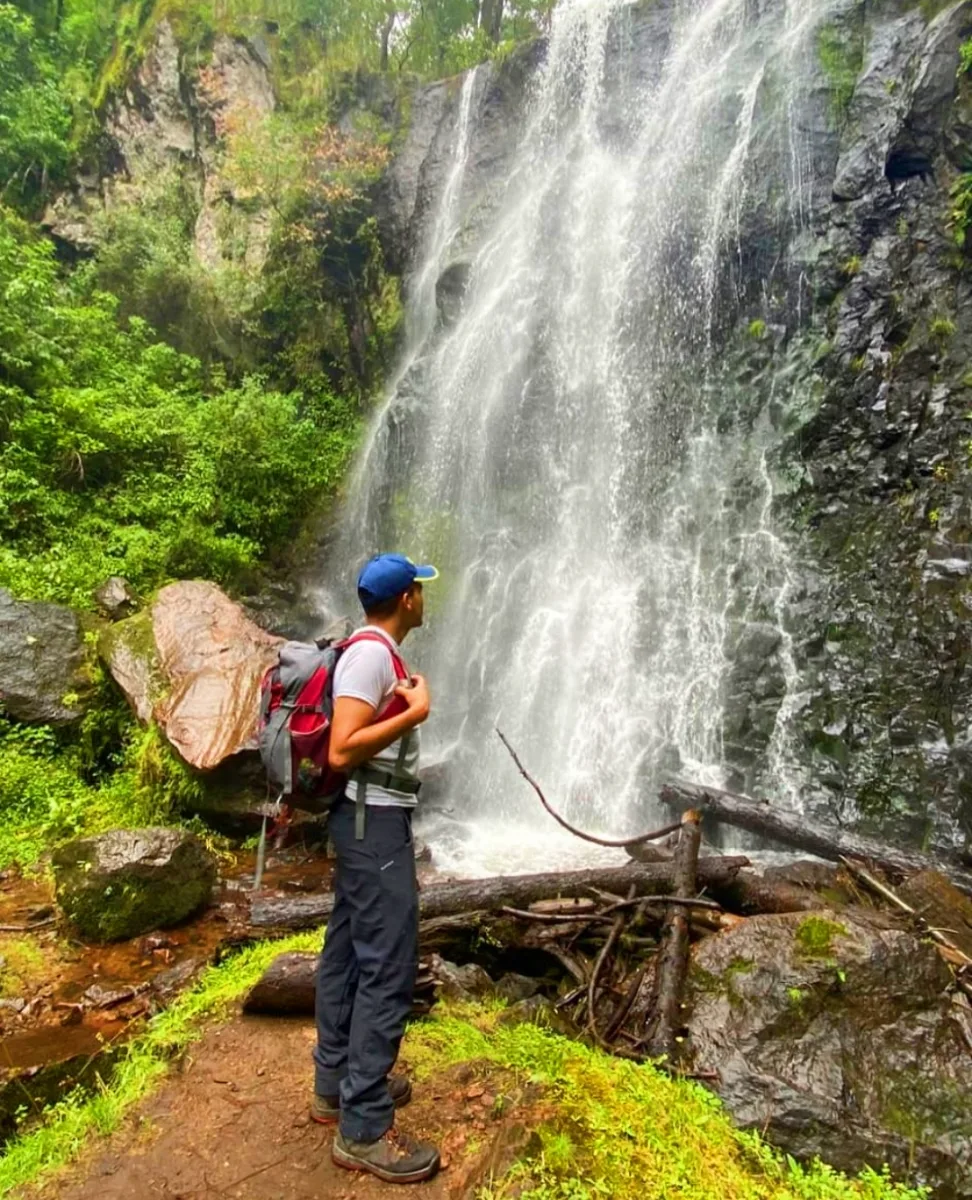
{"points": [[569, 451]]}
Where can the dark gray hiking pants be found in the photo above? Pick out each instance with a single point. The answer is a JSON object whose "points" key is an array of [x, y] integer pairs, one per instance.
{"points": [[367, 968]]}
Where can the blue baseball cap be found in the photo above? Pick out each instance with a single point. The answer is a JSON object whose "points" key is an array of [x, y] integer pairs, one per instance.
{"points": [[389, 575]]}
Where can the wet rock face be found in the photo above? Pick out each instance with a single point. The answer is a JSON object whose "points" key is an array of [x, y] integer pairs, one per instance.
{"points": [[863, 308], [886, 501], [42, 662], [835, 1036], [173, 117], [130, 881]]}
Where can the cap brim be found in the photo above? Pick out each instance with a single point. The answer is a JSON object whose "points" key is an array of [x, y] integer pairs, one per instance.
{"points": [[426, 573]]}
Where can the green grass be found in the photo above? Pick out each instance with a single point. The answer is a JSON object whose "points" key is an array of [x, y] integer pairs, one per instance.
{"points": [[618, 1129]]}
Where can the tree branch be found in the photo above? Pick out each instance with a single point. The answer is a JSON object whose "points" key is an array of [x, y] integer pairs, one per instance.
{"points": [[614, 843]]}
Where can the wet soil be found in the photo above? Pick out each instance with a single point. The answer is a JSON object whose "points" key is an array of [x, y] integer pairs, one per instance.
{"points": [[66, 1005], [232, 1122]]}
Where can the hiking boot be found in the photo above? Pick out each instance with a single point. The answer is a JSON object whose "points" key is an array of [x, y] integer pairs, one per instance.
{"points": [[394, 1158], [325, 1110]]}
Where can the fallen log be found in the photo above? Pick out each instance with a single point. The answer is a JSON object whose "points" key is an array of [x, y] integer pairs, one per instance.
{"points": [[288, 986], [665, 1021], [750, 893], [515, 891], [794, 829]]}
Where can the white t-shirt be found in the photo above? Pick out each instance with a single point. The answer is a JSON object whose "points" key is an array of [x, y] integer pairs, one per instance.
{"points": [[365, 672]]}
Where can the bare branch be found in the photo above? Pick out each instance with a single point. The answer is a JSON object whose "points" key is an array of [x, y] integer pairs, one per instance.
{"points": [[618, 843]]}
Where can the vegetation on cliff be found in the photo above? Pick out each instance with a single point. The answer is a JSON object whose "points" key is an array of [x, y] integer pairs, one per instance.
{"points": [[164, 414]]}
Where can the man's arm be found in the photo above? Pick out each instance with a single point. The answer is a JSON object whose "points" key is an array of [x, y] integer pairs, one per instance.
{"points": [[355, 734]]}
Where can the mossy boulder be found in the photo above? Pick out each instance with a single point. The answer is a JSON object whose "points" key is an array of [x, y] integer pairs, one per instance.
{"points": [[836, 1036], [130, 881]]}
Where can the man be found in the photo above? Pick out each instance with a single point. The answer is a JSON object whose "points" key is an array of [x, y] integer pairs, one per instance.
{"points": [[368, 965]]}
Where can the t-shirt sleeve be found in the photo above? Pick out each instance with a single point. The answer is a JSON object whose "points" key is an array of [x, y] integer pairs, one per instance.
{"points": [[365, 672]]}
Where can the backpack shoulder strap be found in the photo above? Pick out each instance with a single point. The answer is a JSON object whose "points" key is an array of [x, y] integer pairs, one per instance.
{"points": [[363, 635]]}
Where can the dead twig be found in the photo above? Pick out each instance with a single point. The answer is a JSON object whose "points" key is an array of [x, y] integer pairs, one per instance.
{"points": [[29, 928], [612, 937], [617, 843], [883, 890], [553, 918]]}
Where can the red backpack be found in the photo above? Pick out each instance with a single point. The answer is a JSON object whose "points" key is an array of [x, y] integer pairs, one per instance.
{"points": [[294, 733]]}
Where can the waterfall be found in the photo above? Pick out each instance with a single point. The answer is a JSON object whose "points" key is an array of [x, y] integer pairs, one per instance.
{"points": [[570, 451]]}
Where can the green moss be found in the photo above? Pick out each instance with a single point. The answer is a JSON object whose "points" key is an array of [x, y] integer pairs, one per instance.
{"points": [[757, 329], [852, 266], [941, 328], [841, 54], [814, 936], [920, 1114], [21, 966]]}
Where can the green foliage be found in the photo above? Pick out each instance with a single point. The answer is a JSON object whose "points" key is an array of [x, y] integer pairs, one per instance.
{"points": [[116, 460], [965, 58], [941, 328], [757, 329], [35, 118], [51, 789], [144, 258], [851, 267]]}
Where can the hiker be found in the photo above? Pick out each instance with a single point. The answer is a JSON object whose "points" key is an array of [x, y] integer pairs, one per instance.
{"points": [[368, 965]]}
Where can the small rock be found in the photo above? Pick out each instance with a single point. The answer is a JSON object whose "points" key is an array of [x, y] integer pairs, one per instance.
{"points": [[513, 987], [99, 997], [116, 597], [460, 983], [16, 1005]]}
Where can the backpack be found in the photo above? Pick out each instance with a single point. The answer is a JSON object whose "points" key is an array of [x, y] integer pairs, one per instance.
{"points": [[294, 731]]}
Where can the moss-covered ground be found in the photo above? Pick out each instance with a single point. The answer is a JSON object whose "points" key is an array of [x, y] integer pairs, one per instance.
{"points": [[610, 1128]]}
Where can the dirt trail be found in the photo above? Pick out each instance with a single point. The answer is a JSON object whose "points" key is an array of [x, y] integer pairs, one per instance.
{"points": [[232, 1122]]}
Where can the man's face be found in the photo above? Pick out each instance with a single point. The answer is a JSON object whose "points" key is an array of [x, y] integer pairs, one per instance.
{"points": [[414, 602]]}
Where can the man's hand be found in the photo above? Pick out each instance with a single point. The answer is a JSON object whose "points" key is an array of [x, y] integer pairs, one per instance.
{"points": [[416, 696], [355, 734]]}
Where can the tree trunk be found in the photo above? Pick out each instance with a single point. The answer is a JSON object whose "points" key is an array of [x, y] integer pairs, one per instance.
{"points": [[516, 891], [491, 17], [386, 32], [288, 986], [671, 967], [794, 829]]}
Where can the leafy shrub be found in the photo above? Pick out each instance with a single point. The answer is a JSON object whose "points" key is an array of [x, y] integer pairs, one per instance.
{"points": [[116, 460]]}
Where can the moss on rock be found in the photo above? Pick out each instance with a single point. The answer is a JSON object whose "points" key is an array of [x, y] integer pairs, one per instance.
{"points": [[129, 881]]}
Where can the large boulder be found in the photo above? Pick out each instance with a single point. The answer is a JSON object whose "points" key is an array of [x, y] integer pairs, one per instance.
{"points": [[130, 881], [42, 661], [193, 662], [836, 1037]]}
